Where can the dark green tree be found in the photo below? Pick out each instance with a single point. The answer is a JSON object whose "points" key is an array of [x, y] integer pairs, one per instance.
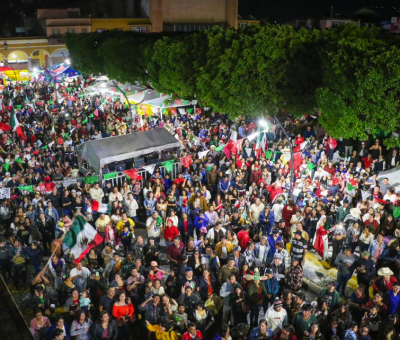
{"points": [[360, 92], [175, 61]]}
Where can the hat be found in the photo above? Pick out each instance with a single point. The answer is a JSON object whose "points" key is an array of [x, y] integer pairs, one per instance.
{"points": [[269, 271], [278, 303], [264, 237], [73, 191], [278, 256], [275, 231], [298, 232], [257, 276], [366, 253], [188, 269], [237, 248], [295, 258], [281, 220], [384, 271], [153, 264]]}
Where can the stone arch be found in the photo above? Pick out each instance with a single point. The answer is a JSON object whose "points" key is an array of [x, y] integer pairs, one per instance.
{"points": [[39, 58], [61, 55], [18, 59]]}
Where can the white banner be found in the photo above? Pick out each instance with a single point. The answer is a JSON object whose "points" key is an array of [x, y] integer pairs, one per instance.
{"points": [[28, 157], [68, 181], [203, 154], [234, 136], [149, 168], [4, 193], [182, 111]]}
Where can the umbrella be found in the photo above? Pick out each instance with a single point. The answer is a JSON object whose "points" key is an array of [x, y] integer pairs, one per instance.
{"points": [[5, 68]]}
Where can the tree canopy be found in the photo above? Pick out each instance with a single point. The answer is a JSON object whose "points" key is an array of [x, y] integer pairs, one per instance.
{"points": [[350, 73]]}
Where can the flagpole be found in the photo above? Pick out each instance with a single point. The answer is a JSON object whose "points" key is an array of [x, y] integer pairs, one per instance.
{"points": [[291, 155]]}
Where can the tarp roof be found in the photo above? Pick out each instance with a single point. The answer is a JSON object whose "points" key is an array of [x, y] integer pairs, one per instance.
{"points": [[113, 149], [143, 96]]}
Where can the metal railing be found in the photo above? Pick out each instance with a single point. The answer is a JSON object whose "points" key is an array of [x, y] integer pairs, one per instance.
{"points": [[121, 177]]}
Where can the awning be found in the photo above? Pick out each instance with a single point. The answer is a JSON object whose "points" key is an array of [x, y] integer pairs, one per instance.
{"points": [[112, 149]]}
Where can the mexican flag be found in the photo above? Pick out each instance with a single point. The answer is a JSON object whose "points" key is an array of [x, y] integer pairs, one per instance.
{"points": [[15, 123], [258, 146], [100, 207], [4, 127], [81, 238]]}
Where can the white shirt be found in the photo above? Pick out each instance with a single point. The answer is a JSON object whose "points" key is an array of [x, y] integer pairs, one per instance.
{"points": [[274, 318], [261, 255], [153, 232], [131, 207], [277, 209], [224, 253], [256, 211]]}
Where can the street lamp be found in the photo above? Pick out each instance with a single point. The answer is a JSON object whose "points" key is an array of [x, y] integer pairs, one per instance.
{"points": [[291, 156], [68, 61], [263, 123]]}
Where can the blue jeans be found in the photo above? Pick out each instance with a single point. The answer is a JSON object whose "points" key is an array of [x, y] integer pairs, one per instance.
{"points": [[342, 280]]}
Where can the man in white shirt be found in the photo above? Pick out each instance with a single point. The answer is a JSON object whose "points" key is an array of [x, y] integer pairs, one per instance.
{"points": [[131, 207], [277, 208], [255, 211], [276, 316], [96, 193], [80, 276], [154, 226]]}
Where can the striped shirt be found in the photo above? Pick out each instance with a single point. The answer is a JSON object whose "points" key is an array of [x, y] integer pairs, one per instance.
{"points": [[299, 247]]}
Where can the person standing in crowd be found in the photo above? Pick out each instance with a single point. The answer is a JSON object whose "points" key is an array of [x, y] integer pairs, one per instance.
{"points": [[212, 225]]}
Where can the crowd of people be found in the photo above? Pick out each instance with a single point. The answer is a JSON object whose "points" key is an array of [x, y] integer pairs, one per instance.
{"points": [[217, 252]]}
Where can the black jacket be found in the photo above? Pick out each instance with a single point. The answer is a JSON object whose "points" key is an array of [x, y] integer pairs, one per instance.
{"points": [[96, 331]]}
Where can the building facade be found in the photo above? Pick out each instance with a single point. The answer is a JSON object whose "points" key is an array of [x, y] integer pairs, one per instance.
{"points": [[157, 16]]}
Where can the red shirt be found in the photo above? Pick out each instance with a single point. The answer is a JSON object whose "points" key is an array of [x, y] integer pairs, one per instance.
{"points": [[187, 336], [170, 233], [175, 252], [367, 162]]}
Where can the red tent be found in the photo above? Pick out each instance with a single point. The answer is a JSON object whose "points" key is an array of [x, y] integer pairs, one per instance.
{"points": [[5, 68]]}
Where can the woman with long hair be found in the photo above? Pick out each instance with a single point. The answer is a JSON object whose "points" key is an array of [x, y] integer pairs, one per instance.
{"points": [[123, 312], [105, 328], [80, 326], [343, 317], [240, 306]]}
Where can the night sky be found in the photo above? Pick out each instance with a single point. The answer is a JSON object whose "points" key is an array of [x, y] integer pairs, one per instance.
{"points": [[268, 10], [284, 10]]}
